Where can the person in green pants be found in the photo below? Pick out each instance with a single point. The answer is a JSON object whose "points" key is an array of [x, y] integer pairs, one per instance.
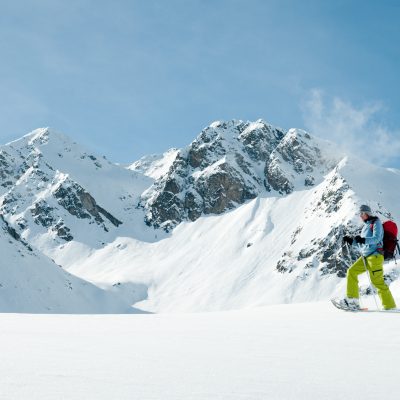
{"points": [[371, 248]]}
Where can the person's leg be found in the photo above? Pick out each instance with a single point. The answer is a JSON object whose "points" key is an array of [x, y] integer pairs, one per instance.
{"points": [[375, 265], [352, 278]]}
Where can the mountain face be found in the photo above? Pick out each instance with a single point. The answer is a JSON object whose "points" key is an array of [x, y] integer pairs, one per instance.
{"points": [[230, 163], [248, 214], [51, 187]]}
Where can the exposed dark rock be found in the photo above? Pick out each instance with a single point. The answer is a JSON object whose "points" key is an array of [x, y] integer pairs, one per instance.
{"points": [[68, 198], [259, 143], [12, 232], [332, 197], [286, 264], [277, 180], [309, 180], [81, 204], [223, 190], [63, 231], [295, 234], [43, 214], [166, 209], [194, 204]]}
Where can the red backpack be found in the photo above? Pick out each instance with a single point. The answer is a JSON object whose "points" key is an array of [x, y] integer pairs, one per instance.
{"points": [[390, 241]]}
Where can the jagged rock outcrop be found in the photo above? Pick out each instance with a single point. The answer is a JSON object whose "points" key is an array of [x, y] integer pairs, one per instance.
{"points": [[215, 173], [298, 160], [81, 204], [7, 228], [229, 163]]}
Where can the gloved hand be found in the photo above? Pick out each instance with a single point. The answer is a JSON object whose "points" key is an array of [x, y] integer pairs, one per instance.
{"points": [[359, 239], [347, 239]]}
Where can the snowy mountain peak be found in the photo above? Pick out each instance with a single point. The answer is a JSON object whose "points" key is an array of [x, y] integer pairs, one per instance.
{"points": [[39, 137], [155, 165], [53, 189], [235, 129], [299, 160], [232, 162]]}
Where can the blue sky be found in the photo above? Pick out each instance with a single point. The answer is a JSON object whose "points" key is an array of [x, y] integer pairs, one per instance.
{"points": [[128, 78]]}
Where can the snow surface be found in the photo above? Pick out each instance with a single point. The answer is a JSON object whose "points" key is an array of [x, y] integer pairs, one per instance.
{"points": [[298, 351], [31, 282]]}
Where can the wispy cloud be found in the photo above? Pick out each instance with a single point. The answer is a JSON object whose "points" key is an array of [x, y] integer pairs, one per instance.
{"points": [[356, 129]]}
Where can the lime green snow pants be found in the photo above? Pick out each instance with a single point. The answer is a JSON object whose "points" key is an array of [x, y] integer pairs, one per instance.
{"points": [[374, 264]]}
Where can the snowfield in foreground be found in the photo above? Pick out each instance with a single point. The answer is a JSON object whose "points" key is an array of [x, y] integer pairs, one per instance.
{"points": [[297, 351]]}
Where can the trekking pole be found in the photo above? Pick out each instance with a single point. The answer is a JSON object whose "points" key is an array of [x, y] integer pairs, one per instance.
{"points": [[369, 278]]}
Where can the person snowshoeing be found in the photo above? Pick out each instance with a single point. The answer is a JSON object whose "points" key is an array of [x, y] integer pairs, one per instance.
{"points": [[371, 248]]}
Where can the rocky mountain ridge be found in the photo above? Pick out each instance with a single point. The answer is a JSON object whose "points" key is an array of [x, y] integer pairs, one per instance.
{"points": [[230, 163]]}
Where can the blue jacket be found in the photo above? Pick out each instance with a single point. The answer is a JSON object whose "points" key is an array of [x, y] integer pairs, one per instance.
{"points": [[372, 231]]}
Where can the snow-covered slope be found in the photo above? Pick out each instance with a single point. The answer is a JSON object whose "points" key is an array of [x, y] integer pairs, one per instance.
{"points": [[31, 282], [245, 215], [155, 165]]}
